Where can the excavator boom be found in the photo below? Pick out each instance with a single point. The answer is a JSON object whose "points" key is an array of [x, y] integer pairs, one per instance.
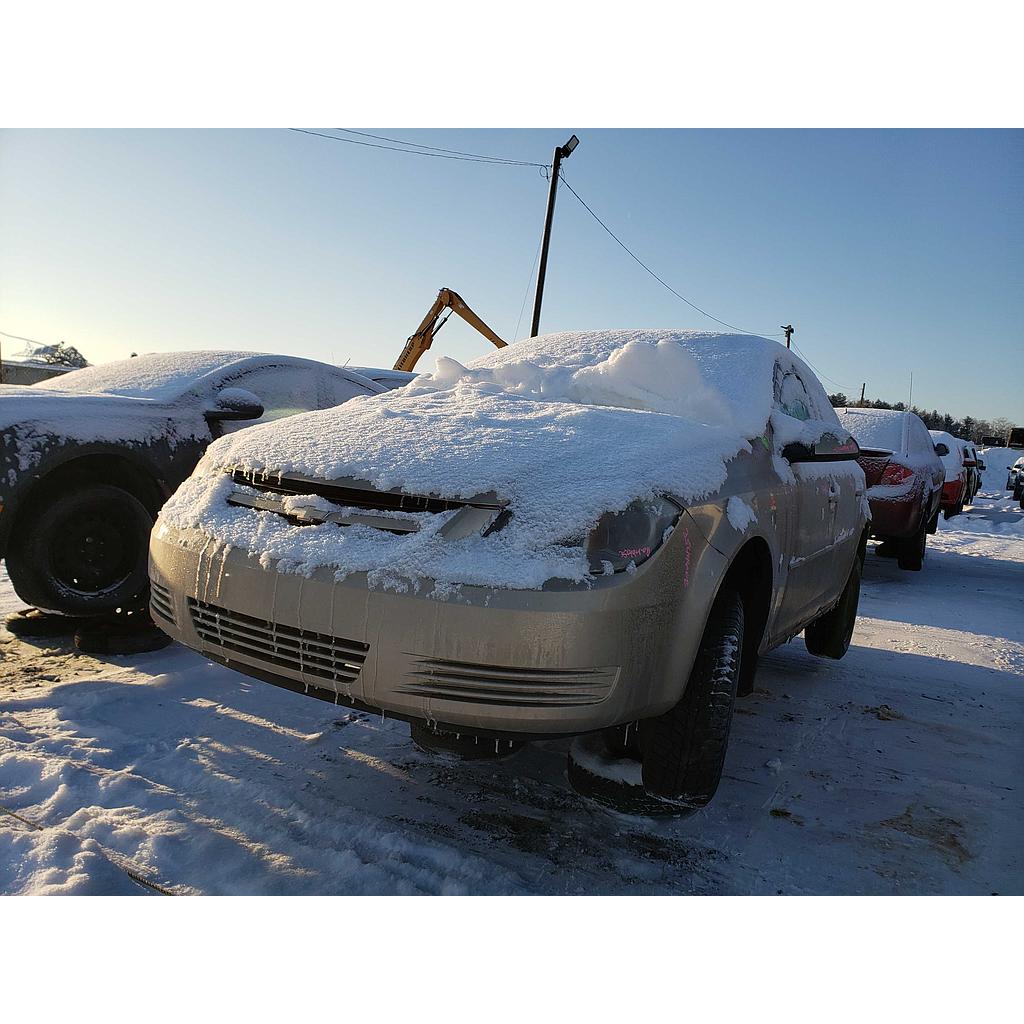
{"points": [[423, 337]]}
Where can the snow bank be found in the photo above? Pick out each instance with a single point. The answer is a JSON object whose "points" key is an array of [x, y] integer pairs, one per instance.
{"points": [[565, 428]]}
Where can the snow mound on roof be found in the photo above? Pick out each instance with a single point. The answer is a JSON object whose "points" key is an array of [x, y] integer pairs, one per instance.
{"points": [[161, 376], [565, 427]]}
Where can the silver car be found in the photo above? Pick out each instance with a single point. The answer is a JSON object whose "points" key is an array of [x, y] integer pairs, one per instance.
{"points": [[646, 654]]}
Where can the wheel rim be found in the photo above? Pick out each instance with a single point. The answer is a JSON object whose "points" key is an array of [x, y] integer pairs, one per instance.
{"points": [[94, 551]]}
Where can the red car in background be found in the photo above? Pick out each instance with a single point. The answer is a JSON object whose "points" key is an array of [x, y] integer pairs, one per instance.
{"points": [[957, 461], [904, 476]]}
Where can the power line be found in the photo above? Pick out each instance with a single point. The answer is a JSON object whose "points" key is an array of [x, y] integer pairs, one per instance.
{"points": [[471, 158], [663, 283], [526, 291], [438, 149], [18, 337], [823, 376]]}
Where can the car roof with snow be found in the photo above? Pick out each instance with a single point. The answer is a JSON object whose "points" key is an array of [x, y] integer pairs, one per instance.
{"points": [[166, 376], [653, 409], [887, 430]]}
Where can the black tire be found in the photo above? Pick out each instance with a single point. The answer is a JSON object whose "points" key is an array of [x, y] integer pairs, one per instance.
{"points": [[829, 635], [910, 553], [1018, 489], [82, 553], [683, 750], [614, 781]]}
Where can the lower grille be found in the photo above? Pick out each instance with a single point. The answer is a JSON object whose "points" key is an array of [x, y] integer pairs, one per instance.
{"points": [[508, 686], [301, 650], [161, 603]]}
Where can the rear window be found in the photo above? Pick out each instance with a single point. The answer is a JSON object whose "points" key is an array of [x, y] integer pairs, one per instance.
{"points": [[874, 429]]}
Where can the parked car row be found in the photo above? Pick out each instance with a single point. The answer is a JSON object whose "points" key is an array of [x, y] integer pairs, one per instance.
{"points": [[963, 469], [904, 477], [513, 551]]}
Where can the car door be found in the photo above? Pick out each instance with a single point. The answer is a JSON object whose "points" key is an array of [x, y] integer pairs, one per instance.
{"points": [[810, 518], [824, 514]]}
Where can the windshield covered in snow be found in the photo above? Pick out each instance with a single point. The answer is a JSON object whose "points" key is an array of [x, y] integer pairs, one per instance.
{"points": [[161, 376]]}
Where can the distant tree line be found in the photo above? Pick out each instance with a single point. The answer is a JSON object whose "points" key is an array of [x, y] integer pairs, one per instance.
{"points": [[969, 429]]}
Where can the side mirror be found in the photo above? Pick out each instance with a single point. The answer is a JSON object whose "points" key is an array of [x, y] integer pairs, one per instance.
{"points": [[941, 449], [234, 404], [828, 448]]}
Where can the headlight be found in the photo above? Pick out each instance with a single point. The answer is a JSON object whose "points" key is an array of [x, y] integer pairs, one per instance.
{"points": [[631, 536]]}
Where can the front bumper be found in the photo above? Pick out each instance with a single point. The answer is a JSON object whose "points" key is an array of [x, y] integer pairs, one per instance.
{"points": [[551, 662]]}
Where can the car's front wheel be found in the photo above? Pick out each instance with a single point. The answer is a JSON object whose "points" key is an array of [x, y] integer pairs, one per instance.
{"points": [[683, 751], [82, 553]]}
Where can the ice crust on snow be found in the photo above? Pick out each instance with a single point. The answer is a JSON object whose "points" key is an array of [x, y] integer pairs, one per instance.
{"points": [[565, 427]]}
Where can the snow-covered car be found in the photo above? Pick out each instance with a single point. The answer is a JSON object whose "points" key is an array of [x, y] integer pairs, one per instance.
{"points": [[957, 487], [86, 461], [582, 532], [1015, 478], [904, 476], [975, 468]]}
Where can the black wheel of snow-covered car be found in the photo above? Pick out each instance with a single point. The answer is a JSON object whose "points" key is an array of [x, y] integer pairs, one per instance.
{"points": [[829, 635], [683, 750], [910, 552], [82, 553]]}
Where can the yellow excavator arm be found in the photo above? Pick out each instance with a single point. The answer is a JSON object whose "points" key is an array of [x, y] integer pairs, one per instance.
{"points": [[423, 338]]}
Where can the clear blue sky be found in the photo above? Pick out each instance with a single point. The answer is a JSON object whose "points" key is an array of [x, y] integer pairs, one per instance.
{"points": [[890, 251]]}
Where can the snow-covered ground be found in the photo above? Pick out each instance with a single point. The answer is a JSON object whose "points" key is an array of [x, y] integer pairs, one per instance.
{"points": [[897, 770]]}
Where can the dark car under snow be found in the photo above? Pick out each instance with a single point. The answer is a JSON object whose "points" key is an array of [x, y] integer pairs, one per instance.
{"points": [[87, 461]]}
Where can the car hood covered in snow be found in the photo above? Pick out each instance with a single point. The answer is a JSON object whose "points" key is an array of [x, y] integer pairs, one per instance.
{"points": [[564, 427]]}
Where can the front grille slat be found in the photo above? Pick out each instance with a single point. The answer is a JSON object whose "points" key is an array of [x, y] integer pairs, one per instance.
{"points": [[309, 648], [301, 650], [510, 686], [160, 601]]}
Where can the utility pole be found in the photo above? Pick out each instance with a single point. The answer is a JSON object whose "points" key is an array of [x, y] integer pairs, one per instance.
{"points": [[789, 329], [561, 153], [862, 387]]}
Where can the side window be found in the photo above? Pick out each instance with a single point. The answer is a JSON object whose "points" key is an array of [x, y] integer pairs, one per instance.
{"points": [[284, 390], [336, 389], [918, 438], [791, 395]]}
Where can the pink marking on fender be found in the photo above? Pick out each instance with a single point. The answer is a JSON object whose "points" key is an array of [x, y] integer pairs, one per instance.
{"points": [[635, 553]]}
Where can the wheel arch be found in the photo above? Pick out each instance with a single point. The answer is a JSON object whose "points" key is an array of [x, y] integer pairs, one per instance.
{"points": [[97, 467], [751, 574]]}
